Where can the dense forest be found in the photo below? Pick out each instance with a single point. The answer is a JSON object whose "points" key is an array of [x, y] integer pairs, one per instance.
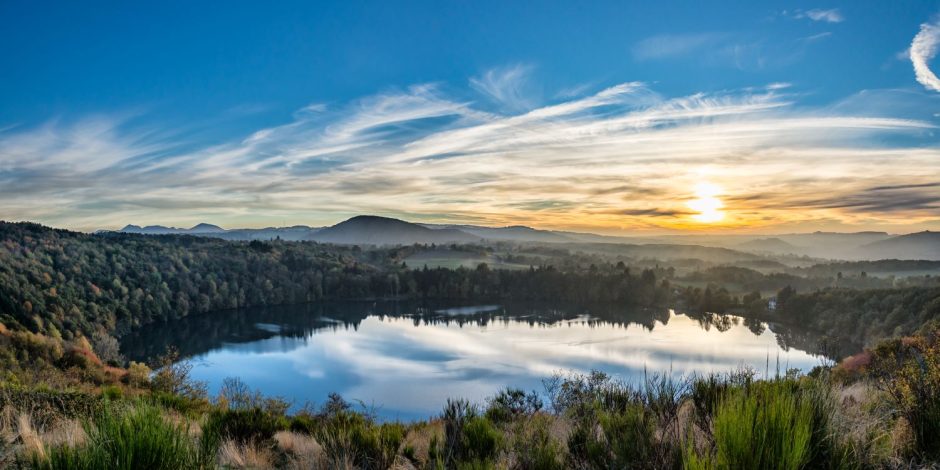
{"points": [[66, 285], [62, 283]]}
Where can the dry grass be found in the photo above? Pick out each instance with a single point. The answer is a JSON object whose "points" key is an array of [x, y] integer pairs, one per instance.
{"points": [[419, 437], [303, 451], [235, 455]]}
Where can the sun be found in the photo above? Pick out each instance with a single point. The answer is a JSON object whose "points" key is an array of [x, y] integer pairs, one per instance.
{"points": [[707, 203]]}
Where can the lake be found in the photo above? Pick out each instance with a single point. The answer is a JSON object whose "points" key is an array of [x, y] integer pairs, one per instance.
{"points": [[407, 359]]}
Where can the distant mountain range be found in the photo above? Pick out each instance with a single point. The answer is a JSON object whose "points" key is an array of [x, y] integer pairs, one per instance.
{"points": [[375, 230]]}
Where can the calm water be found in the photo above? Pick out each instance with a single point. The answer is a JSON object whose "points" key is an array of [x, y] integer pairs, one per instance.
{"points": [[407, 360]]}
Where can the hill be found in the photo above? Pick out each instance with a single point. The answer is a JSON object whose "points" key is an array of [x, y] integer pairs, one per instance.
{"points": [[769, 245], [518, 233], [375, 230], [921, 245]]}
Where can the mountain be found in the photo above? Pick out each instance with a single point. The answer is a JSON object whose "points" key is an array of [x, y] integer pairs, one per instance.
{"points": [[769, 245], [205, 228], [920, 245], [295, 233], [374, 230]]}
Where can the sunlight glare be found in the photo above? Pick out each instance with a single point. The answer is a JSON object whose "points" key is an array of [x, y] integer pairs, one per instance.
{"points": [[707, 203]]}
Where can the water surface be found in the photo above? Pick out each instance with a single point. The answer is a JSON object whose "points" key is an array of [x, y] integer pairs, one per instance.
{"points": [[406, 360]]}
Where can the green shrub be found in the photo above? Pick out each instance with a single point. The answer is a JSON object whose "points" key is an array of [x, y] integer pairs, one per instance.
{"points": [[533, 446], [481, 441], [512, 403], [251, 425], [139, 438], [302, 423], [765, 426], [349, 437], [627, 440], [112, 392]]}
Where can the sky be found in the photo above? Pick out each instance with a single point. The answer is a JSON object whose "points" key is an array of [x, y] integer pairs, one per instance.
{"points": [[610, 117]]}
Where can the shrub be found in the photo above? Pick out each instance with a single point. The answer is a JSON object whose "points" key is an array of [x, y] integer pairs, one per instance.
{"points": [[243, 426], [349, 438], [481, 441], [908, 370], [766, 425], [533, 446], [112, 392], [627, 440], [138, 438], [512, 403]]}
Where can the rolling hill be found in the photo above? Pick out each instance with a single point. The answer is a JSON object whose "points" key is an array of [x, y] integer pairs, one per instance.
{"points": [[920, 245], [374, 230]]}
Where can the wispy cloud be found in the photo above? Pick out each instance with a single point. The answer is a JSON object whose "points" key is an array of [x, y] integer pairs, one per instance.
{"points": [[923, 49], [674, 45], [828, 16], [620, 157], [507, 86]]}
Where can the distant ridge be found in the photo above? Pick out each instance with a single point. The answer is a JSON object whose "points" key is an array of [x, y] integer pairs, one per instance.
{"points": [[510, 233], [769, 245], [921, 245], [375, 230]]}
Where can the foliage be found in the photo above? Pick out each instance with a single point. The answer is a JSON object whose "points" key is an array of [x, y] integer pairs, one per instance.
{"points": [[138, 438], [512, 403], [244, 425], [533, 446], [349, 437], [908, 370], [767, 425]]}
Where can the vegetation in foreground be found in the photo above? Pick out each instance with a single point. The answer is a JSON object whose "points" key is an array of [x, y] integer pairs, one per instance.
{"points": [[880, 409]]}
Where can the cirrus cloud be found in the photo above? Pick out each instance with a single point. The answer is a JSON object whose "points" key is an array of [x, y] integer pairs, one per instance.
{"points": [[624, 157], [923, 49]]}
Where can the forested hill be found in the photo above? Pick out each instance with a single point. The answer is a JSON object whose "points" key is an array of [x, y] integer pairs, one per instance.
{"points": [[60, 282], [63, 284]]}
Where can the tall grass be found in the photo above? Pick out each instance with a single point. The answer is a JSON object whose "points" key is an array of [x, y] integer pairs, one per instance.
{"points": [[137, 438], [768, 425]]}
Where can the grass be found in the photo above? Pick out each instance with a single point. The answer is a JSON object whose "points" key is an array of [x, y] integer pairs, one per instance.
{"points": [[140, 437]]}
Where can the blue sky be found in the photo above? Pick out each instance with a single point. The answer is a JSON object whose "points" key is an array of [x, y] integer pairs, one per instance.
{"points": [[230, 112]]}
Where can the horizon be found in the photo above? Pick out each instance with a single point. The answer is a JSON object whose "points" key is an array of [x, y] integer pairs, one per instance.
{"points": [[659, 120], [317, 227]]}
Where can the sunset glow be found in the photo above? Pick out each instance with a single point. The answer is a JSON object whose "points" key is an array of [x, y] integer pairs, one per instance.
{"points": [[707, 203]]}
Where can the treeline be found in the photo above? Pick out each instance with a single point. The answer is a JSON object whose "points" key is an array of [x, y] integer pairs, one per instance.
{"points": [[67, 284], [743, 279], [64, 283], [861, 316]]}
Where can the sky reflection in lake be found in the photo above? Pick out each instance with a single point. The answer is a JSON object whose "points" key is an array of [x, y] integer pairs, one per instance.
{"points": [[408, 366]]}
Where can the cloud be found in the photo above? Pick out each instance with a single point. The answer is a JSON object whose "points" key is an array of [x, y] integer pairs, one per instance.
{"points": [[506, 86], [674, 45], [620, 157], [828, 16], [923, 49]]}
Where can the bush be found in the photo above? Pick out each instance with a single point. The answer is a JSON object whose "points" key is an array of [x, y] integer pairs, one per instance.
{"points": [[112, 392], [627, 440], [350, 438], [138, 438], [481, 441], [908, 370], [533, 446], [512, 403], [243, 426], [766, 426]]}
